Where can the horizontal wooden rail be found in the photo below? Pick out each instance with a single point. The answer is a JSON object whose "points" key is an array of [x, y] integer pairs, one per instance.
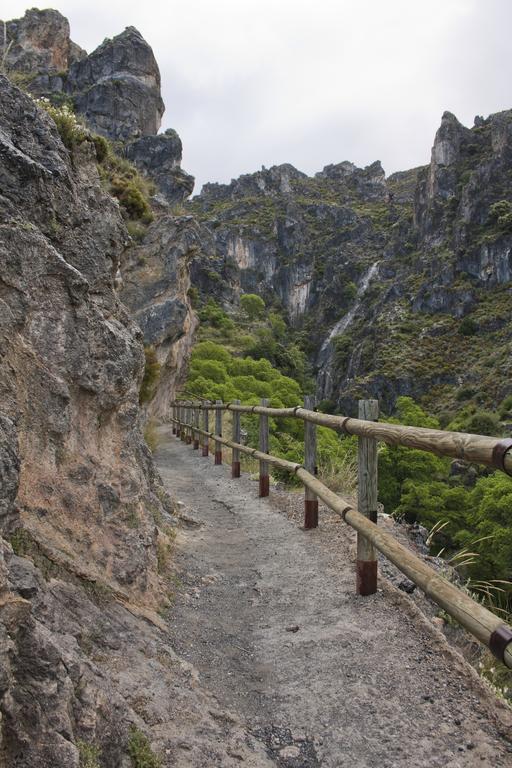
{"points": [[491, 451], [478, 620]]}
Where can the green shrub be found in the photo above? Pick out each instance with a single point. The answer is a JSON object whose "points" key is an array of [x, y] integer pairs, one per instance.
{"points": [[151, 375], [71, 131], [505, 409], [213, 314], [88, 754], [252, 305], [140, 750], [482, 423], [468, 327], [501, 213], [136, 230], [209, 369], [208, 350], [132, 198]]}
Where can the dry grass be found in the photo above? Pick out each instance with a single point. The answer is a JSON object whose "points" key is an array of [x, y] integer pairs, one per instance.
{"points": [[339, 473]]}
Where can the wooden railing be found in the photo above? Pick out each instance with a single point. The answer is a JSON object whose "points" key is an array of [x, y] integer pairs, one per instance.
{"points": [[482, 623]]}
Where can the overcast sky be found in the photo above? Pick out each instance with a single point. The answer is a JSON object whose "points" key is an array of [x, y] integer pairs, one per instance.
{"points": [[248, 83]]}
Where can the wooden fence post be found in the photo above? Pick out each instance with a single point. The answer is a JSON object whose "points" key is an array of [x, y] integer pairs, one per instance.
{"points": [[173, 416], [177, 414], [196, 425], [182, 419], [367, 500], [310, 498], [188, 411], [218, 431], [235, 461], [263, 445], [206, 440]]}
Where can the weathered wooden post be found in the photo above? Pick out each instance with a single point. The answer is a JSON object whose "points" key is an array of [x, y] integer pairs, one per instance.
{"points": [[235, 461], [206, 439], [196, 425], [173, 416], [263, 445], [183, 419], [310, 498], [367, 500], [218, 431], [188, 411]]}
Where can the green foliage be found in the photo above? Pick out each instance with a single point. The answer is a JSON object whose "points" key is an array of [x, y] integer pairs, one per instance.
{"points": [[136, 230], [482, 423], [468, 327], [398, 466], [123, 181], [140, 751], [252, 305], [151, 375], [214, 314], [88, 754], [505, 409], [501, 213], [131, 197], [342, 350], [71, 131]]}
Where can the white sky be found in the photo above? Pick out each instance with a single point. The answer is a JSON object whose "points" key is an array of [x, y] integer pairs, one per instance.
{"points": [[260, 82]]}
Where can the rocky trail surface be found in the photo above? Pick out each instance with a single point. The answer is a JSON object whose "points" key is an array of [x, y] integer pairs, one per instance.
{"points": [[267, 615]]}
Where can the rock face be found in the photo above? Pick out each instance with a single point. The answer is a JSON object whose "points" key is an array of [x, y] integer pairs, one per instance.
{"points": [[159, 158], [156, 281], [39, 43], [376, 274], [81, 507], [117, 88]]}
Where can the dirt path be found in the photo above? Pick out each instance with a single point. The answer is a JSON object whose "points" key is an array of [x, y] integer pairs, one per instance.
{"points": [[268, 616]]}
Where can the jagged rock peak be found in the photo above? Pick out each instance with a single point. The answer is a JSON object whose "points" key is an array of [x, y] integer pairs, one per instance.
{"points": [[39, 43], [268, 181], [448, 139], [369, 181], [117, 87]]}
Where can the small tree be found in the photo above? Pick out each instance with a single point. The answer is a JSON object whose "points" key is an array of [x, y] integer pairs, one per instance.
{"points": [[252, 305]]}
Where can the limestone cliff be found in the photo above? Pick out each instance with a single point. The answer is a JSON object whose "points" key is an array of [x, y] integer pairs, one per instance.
{"points": [[376, 275]]}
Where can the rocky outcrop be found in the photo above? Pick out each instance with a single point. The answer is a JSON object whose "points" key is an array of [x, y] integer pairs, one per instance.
{"points": [[117, 88], [159, 158], [156, 281], [39, 44]]}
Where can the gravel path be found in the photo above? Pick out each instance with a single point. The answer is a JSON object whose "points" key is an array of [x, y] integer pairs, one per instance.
{"points": [[318, 676]]}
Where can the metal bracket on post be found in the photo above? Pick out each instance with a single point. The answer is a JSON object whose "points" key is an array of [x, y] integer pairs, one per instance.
{"points": [[235, 461], [264, 448], [218, 431], [310, 498], [367, 500]]}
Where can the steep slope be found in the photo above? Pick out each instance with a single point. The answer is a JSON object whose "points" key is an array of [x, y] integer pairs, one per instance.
{"points": [[399, 285]]}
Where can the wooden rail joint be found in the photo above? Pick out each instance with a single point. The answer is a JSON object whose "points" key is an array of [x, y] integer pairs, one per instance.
{"points": [[499, 641], [499, 452]]}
